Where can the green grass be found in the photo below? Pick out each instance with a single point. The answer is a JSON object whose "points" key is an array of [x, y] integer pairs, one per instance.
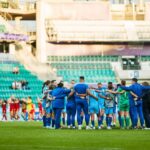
{"points": [[31, 136]]}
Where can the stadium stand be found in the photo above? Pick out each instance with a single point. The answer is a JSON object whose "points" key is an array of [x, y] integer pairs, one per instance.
{"points": [[81, 58], [7, 63], [94, 68]]}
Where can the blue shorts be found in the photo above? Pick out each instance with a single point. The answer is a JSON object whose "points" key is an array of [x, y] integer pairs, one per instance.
{"points": [[64, 111], [48, 107], [101, 106], [82, 106], [71, 108], [71, 105], [94, 109], [114, 109], [49, 110], [108, 110]]}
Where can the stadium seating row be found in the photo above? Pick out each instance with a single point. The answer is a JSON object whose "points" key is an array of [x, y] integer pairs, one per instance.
{"points": [[82, 58], [81, 65], [93, 68]]}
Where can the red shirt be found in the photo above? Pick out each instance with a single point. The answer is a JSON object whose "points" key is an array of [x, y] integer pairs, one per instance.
{"points": [[40, 106], [16, 106], [12, 106], [4, 108]]}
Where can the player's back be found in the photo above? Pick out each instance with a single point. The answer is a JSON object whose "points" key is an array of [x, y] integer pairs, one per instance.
{"points": [[80, 88], [92, 101], [110, 102], [124, 97], [59, 93], [137, 89], [102, 92], [3, 106]]}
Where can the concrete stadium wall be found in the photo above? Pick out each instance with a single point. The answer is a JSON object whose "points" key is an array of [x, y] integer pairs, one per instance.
{"points": [[70, 11], [79, 11], [147, 11], [101, 49]]}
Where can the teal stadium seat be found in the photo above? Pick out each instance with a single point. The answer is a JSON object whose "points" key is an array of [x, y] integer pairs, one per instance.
{"points": [[145, 58], [7, 77], [94, 68]]}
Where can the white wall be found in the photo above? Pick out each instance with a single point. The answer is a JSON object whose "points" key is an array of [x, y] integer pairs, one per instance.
{"points": [[11, 48], [65, 10], [41, 34], [143, 74]]}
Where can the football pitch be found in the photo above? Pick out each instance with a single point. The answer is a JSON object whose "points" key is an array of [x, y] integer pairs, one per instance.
{"points": [[31, 136]]}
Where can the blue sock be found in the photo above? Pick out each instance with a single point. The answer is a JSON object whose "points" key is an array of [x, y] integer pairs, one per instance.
{"points": [[47, 120], [44, 121], [93, 123], [102, 118], [63, 121], [100, 122], [53, 122], [50, 121], [26, 117], [73, 123], [81, 119], [107, 121], [110, 120]]}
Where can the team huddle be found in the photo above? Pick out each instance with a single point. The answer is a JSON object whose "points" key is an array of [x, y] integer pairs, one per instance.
{"points": [[95, 104]]}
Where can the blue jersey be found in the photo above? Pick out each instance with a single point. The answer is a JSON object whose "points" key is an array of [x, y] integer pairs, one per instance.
{"points": [[45, 91], [59, 94], [102, 92], [137, 89], [71, 100], [93, 101], [49, 103], [80, 88], [44, 95], [109, 103]]}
